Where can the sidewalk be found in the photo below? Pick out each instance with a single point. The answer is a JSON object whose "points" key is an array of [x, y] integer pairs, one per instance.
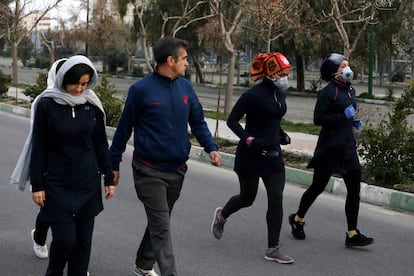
{"points": [[305, 144], [301, 143]]}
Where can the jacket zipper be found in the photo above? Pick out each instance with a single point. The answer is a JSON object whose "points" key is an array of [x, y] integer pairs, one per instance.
{"points": [[73, 112]]}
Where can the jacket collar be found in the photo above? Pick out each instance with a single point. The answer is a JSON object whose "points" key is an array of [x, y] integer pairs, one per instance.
{"points": [[341, 84]]}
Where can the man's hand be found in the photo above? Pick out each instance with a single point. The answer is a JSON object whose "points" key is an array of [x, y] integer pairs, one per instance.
{"points": [[109, 191], [215, 158], [116, 177], [39, 198]]}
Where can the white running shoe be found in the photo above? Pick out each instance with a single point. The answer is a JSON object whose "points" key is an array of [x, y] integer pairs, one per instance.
{"points": [[143, 272], [40, 251]]}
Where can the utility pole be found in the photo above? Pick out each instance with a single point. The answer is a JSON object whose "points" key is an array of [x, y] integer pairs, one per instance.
{"points": [[370, 56], [87, 28]]}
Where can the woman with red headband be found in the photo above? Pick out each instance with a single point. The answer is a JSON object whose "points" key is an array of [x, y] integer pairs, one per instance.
{"points": [[258, 153]]}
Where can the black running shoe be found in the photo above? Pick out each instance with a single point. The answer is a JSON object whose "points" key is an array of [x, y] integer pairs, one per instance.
{"points": [[297, 228], [358, 240]]}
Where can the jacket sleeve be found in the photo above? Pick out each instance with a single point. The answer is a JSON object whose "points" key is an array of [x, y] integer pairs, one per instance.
{"points": [[236, 114], [124, 129], [101, 148], [199, 126], [39, 147]]}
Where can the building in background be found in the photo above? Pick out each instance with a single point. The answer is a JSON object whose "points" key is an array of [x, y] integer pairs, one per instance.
{"points": [[44, 26]]}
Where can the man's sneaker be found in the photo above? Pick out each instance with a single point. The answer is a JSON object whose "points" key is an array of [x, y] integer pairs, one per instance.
{"points": [[218, 224], [297, 228], [143, 272], [358, 240], [276, 255], [40, 251]]}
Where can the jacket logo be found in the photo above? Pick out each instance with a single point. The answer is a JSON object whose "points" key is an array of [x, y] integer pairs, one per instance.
{"points": [[185, 99], [155, 103]]}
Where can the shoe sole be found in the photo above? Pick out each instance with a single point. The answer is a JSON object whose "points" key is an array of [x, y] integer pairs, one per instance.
{"points": [[214, 219], [39, 256], [279, 260], [296, 236], [358, 244], [140, 273]]}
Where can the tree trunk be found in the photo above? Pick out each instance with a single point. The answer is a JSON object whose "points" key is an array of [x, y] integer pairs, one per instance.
{"points": [[199, 72], [14, 65], [300, 73], [228, 102]]}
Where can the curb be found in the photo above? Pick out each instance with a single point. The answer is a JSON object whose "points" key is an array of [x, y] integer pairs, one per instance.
{"points": [[369, 193]]}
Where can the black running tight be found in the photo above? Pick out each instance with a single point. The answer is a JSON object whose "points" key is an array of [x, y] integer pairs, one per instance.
{"points": [[352, 181], [274, 185]]}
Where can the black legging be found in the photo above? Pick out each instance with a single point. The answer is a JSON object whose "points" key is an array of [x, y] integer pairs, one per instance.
{"points": [[40, 233], [71, 245], [274, 185], [352, 181]]}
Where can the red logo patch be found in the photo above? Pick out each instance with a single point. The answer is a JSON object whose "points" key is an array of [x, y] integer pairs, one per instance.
{"points": [[185, 99]]}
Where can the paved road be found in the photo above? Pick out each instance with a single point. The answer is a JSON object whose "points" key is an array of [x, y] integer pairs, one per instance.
{"points": [[239, 253]]}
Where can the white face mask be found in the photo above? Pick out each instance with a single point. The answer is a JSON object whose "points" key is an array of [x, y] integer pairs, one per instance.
{"points": [[281, 83], [347, 74]]}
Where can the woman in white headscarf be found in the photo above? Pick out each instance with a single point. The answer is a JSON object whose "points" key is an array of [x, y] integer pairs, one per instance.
{"points": [[39, 233], [68, 158]]}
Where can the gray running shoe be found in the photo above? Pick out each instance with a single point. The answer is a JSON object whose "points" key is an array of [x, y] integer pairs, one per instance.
{"points": [[276, 255], [218, 224]]}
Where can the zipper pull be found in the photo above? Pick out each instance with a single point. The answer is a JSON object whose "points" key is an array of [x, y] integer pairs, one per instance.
{"points": [[73, 112]]}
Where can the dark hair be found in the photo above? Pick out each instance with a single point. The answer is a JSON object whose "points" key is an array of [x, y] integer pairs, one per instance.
{"points": [[168, 46], [74, 74], [60, 63]]}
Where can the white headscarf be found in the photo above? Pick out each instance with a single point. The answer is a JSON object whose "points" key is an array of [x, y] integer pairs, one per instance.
{"points": [[51, 76], [21, 172]]}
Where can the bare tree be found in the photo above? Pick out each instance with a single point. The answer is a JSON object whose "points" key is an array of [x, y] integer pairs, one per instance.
{"points": [[272, 19], [17, 28], [50, 45], [228, 17], [359, 17], [180, 20], [104, 26], [140, 7]]}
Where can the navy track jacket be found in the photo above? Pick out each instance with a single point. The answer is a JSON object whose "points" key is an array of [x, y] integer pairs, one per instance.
{"points": [[159, 110]]}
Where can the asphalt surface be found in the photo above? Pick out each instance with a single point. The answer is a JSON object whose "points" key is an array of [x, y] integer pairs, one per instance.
{"points": [[119, 227]]}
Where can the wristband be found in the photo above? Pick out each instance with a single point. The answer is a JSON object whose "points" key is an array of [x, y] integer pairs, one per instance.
{"points": [[249, 140]]}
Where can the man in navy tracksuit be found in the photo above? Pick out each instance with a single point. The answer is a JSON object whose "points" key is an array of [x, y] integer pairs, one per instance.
{"points": [[159, 108]]}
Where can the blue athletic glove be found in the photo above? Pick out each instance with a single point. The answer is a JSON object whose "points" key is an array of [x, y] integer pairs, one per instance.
{"points": [[357, 124], [349, 111]]}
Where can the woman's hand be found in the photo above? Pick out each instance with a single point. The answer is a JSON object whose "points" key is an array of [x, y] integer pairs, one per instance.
{"points": [[39, 198]]}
